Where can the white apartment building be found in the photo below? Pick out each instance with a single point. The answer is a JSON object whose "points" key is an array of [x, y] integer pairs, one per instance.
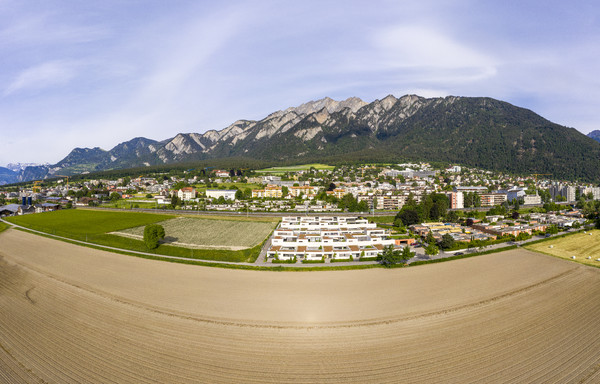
{"points": [[228, 194], [314, 238], [186, 193]]}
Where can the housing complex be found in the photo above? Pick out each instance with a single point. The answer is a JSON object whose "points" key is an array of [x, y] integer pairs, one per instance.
{"points": [[319, 237]]}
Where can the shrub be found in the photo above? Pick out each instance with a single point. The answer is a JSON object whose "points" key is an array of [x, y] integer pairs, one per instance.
{"points": [[431, 250], [153, 233]]}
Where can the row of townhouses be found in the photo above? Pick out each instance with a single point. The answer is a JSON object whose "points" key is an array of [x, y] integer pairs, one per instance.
{"points": [[315, 238]]}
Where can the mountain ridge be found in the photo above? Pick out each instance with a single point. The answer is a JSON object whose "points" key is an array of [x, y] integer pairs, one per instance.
{"points": [[476, 131]]}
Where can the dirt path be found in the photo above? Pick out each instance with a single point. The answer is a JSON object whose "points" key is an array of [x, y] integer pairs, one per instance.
{"points": [[73, 314]]}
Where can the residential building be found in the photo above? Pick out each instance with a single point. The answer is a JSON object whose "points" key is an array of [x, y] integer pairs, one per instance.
{"points": [[532, 199], [227, 194], [314, 238], [566, 191], [305, 190], [513, 193], [476, 189], [187, 193], [456, 200], [221, 173], [491, 199], [270, 191]]}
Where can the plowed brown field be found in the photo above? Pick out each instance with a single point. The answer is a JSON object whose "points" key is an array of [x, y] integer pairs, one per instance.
{"points": [[73, 314]]}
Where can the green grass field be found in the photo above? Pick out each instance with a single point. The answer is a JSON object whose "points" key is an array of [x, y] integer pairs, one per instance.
{"points": [[3, 227], [131, 203], [581, 245], [212, 233], [295, 168], [94, 225], [381, 219], [76, 222]]}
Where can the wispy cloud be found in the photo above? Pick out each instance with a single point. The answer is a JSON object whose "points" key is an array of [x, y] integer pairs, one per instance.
{"points": [[104, 72], [48, 74]]}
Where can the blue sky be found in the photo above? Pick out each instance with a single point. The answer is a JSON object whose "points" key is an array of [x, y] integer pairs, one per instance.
{"points": [[97, 73]]}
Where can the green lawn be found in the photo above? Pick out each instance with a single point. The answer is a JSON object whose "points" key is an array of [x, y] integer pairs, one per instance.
{"points": [[3, 227], [381, 219], [295, 168], [77, 222], [131, 203]]}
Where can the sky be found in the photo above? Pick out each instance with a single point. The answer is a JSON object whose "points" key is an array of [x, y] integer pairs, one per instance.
{"points": [[97, 73]]}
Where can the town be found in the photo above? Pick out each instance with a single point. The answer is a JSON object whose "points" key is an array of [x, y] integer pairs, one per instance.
{"points": [[453, 209]]}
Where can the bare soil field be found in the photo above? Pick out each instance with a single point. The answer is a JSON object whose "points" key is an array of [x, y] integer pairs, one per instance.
{"points": [[73, 314], [209, 233]]}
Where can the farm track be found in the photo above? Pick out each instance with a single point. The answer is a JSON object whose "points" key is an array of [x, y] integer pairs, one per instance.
{"points": [[72, 314]]}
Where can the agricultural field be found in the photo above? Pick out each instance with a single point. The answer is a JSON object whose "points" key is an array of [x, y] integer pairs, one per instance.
{"points": [[85, 315], [210, 233], [295, 168], [131, 203], [581, 245], [98, 227], [75, 223]]}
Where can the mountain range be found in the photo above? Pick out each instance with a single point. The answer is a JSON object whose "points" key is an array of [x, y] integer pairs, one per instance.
{"points": [[473, 131]]}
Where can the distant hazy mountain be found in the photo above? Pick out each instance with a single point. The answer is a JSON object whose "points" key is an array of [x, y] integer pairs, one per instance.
{"points": [[8, 176], [594, 135], [480, 132]]}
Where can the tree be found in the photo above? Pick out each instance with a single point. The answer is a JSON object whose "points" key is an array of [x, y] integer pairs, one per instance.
{"points": [[431, 250], [430, 239], [553, 229], [447, 241], [515, 215], [115, 196], [363, 206], [408, 216], [391, 256], [149, 196], [407, 254], [452, 216], [153, 233], [284, 191]]}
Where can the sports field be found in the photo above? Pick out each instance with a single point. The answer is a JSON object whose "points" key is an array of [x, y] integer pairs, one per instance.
{"points": [[581, 245], [73, 314], [210, 233]]}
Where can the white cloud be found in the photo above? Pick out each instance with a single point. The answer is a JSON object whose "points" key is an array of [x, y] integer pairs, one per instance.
{"points": [[415, 46], [44, 75]]}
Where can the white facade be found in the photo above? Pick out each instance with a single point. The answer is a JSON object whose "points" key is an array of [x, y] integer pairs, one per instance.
{"points": [[228, 194], [532, 199], [314, 238], [457, 200], [186, 193]]}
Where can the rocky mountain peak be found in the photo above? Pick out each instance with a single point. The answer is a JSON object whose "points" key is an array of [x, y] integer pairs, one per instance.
{"points": [[354, 103]]}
